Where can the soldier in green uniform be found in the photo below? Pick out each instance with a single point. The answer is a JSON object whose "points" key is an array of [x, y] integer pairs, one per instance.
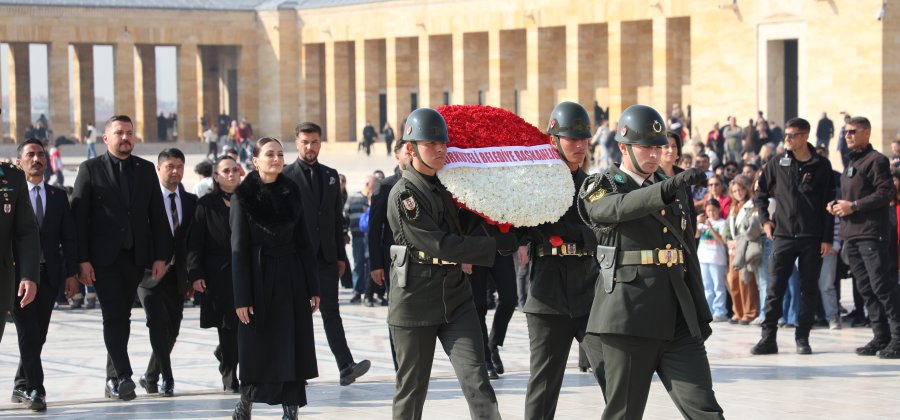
{"points": [[649, 310], [430, 298], [19, 233], [563, 274]]}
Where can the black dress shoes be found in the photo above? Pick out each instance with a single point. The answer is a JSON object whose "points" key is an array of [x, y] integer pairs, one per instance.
{"points": [[495, 359], [870, 349], [19, 395], [167, 389], [150, 387], [353, 371], [491, 371], [290, 412], [765, 346], [126, 389], [37, 401], [803, 346]]}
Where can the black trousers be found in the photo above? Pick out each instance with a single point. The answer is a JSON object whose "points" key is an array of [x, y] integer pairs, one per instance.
{"points": [[228, 357], [116, 286], [682, 367], [164, 307], [784, 252], [504, 274], [331, 314], [550, 339], [32, 323], [876, 278]]}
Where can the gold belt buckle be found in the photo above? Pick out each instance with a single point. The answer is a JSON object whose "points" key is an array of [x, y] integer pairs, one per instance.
{"points": [[669, 257], [567, 249], [646, 257]]}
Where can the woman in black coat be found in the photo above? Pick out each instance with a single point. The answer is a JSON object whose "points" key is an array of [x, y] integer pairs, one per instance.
{"points": [[209, 266], [276, 290]]}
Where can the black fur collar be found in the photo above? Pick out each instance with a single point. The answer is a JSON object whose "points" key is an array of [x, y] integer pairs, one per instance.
{"points": [[271, 206]]}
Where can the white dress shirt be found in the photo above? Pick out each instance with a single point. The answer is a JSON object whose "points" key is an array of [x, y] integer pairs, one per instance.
{"points": [[33, 196], [168, 205]]}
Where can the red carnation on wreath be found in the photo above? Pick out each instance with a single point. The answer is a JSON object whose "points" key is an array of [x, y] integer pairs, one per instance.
{"points": [[503, 168]]}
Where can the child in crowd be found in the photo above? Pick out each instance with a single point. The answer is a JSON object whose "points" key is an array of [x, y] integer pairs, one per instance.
{"points": [[713, 258]]}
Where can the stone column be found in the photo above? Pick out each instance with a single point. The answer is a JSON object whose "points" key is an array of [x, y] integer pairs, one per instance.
{"points": [[424, 71], [529, 110], [58, 76], [495, 62], [83, 67], [341, 102], [458, 51], [506, 67], [145, 95], [188, 108], [248, 84], [209, 87], [124, 79], [617, 94], [665, 91], [402, 63], [370, 77], [313, 73], [19, 90]]}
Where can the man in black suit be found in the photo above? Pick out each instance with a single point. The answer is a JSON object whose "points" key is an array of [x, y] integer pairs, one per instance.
{"points": [[57, 232], [122, 229], [380, 235], [322, 209], [163, 300]]}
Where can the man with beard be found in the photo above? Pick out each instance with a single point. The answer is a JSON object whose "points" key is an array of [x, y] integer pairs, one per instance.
{"points": [[57, 231], [322, 209], [122, 229], [163, 300]]}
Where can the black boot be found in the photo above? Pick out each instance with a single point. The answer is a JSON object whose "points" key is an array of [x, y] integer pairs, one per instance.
{"points": [[495, 358], [244, 406], [290, 412]]}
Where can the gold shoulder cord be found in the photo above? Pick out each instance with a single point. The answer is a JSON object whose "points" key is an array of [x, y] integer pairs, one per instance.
{"points": [[590, 186]]}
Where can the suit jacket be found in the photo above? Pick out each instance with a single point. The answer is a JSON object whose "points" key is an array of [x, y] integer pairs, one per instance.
{"points": [[646, 299], [380, 235], [101, 213], [19, 234], [324, 223], [58, 240], [178, 242]]}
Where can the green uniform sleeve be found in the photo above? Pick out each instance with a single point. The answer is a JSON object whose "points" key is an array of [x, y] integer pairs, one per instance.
{"points": [[617, 207]]}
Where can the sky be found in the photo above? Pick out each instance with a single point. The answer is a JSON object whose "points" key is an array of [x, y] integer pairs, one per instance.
{"points": [[166, 89]]}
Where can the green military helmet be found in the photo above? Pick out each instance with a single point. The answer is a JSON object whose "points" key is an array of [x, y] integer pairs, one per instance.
{"points": [[425, 124], [642, 125], [569, 119]]}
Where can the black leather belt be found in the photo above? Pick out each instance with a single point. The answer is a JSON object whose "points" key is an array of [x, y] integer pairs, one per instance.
{"points": [[668, 257], [421, 258], [565, 250]]}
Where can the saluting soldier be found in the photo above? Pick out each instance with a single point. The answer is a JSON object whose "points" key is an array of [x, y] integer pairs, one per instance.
{"points": [[563, 275], [18, 232], [649, 313], [430, 297]]}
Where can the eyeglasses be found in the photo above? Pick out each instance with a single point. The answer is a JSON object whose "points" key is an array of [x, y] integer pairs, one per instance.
{"points": [[852, 132], [794, 135]]}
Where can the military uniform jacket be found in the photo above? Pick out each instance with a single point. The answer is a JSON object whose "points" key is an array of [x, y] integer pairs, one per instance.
{"points": [[562, 285], [19, 234], [646, 300], [423, 217]]}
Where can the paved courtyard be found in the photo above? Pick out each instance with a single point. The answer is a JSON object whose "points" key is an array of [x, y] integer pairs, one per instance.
{"points": [[833, 383]]}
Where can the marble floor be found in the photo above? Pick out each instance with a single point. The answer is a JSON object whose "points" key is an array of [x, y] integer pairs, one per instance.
{"points": [[833, 383]]}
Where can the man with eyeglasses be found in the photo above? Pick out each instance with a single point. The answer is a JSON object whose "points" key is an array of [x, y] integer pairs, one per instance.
{"points": [[801, 182], [866, 191]]}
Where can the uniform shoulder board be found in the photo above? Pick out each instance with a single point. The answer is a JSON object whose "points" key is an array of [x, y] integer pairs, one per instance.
{"points": [[408, 205], [596, 187]]}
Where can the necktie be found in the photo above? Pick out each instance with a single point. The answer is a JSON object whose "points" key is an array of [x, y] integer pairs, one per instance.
{"points": [[38, 205], [39, 211], [174, 209], [315, 184], [124, 188]]}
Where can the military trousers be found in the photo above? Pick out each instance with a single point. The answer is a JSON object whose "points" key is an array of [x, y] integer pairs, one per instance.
{"points": [[7, 293], [550, 339], [461, 339], [680, 363]]}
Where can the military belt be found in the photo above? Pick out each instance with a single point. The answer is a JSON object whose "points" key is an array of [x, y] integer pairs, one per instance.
{"points": [[565, 250], [421, 258], [667, 257]]}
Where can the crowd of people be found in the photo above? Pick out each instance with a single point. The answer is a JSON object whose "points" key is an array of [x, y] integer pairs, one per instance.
{"points": [[757, 229]]}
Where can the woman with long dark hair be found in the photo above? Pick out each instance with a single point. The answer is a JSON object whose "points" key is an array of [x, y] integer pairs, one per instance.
{"points": [[209, 266], [276, 290]]}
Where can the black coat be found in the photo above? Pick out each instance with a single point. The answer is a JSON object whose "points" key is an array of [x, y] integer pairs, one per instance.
{"points": [[19, 235], [274, 270], [178, 242], [325, 222], [58, 242], [209, 258], [101, 213]]}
